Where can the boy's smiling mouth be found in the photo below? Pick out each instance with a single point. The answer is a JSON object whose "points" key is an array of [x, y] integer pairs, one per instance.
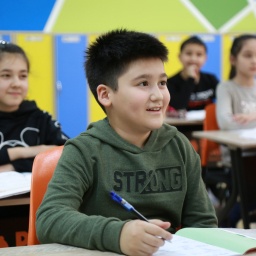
{"points": [[154, 109]]}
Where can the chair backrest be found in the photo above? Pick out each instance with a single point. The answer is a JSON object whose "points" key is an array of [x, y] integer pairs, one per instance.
{"points": [[42, 171], [210, 123]]}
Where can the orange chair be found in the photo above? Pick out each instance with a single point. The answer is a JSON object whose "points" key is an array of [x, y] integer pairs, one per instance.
{"points": [[42, 171], [209, 148], [215, 176]]}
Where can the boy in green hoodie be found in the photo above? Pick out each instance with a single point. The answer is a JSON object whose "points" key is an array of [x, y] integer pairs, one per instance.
{"points": [[132, 152]]}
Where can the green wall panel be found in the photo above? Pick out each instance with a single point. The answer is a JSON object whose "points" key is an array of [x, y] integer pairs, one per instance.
{"points": [[218, 12]]}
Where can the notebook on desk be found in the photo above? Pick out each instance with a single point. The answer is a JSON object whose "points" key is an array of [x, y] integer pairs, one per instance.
{"points": [[210, 242], [195, 115], [14, 183]]}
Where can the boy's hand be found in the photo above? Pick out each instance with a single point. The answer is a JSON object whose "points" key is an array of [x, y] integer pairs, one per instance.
{"points": [[143, 238], [193, 72]]}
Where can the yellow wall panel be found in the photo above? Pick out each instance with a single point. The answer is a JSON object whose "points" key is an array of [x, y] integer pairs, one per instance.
{"points": [[226, 45], [39, 49], [173, 42], [95, 111], [227, 40]]}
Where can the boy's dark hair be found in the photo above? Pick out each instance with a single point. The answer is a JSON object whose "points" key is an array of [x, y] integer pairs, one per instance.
{"points": [[6, 47], [193, 40], [236, 47], [110, 55]]}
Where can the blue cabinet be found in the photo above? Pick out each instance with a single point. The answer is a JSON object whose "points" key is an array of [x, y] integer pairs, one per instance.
{"points": [[5, 37], [213, 62], [71, 85]]}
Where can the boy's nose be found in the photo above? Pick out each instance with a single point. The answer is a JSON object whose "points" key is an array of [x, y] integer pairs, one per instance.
{"points": [[194, 57], [156, 93]]}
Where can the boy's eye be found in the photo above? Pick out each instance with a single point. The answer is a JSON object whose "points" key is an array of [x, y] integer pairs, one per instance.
{"points": [[164, 83], [145, 83]]}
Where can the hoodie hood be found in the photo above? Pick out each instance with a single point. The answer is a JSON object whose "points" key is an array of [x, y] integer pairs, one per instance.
{"points": [[158, 138], [25, 108]]}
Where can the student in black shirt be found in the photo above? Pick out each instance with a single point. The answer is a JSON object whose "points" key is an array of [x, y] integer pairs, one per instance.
{"points": [[190, 88]]}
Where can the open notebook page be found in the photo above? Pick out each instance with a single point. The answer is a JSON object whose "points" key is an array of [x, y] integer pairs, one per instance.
{"points": [[14, 183], [182, 246]]}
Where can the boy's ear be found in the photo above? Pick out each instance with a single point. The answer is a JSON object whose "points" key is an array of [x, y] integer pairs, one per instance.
{"points": [[103, 95]]}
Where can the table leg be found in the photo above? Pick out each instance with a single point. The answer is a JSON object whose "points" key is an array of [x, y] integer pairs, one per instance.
{"points": [[223, 213], [237, 165]]}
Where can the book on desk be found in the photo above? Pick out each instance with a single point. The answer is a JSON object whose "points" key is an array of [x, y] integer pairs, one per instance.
{"points": [[214, 242], [14, 208], [210, 242], [14, 183]]}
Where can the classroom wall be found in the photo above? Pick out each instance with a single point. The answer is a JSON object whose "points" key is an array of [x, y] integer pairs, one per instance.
{"points": [[56, 33]]}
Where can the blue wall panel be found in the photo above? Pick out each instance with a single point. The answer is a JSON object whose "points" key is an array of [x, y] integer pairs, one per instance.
{"points": [[27, 15], [72, 92], [213, 63]]}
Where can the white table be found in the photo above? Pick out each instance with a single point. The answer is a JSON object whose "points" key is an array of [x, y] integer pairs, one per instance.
{"points": [[15, 200], [237, 145], [51, 250]]}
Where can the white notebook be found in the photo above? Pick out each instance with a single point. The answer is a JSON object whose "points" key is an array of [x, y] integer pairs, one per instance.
{"points": [[14, 183]]}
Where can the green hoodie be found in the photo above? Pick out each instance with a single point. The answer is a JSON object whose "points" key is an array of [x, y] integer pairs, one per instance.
{"points": [[162, 181]]}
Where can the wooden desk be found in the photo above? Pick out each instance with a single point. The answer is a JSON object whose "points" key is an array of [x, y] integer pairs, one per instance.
{"points": [[64, 250], [186, 126], [237, 146], [182, 121], [192, 118], [15, 200], [192, 122], [51, 250]]}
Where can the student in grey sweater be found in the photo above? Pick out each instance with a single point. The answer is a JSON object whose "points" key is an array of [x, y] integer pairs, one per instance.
{"points": [[236, 98], [236, 107], [131, 152]]}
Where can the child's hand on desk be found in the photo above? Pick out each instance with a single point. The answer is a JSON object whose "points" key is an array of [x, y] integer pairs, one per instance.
{"points": [[172, 112], [244, 118], [142, 238], [6, 167], [27, 152]]}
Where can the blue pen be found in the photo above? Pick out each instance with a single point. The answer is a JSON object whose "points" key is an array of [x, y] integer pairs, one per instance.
{"points": [[128, 207]]}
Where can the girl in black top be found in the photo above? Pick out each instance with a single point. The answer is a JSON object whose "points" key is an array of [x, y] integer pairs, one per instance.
{"points": [[25, 130]]}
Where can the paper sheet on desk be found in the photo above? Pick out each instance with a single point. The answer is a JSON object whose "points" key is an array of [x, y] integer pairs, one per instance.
{"points": [[14, 183], [195, 115], [247, 133], [182, 246]]}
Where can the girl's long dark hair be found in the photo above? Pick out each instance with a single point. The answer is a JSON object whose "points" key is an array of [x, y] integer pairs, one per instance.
{"points": [[237, 46]]}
